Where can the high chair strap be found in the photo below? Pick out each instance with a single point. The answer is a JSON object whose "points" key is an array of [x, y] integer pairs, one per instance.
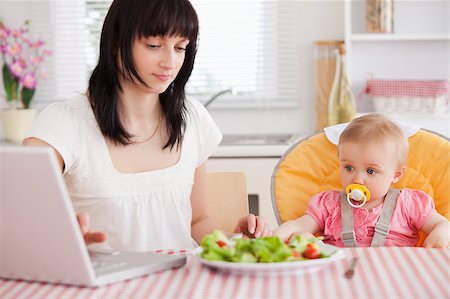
{"points": [[383, 224], [348, 231], [381, 227]]}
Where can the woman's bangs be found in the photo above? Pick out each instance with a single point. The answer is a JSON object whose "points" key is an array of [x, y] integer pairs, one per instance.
{"points": [[174, 19]]}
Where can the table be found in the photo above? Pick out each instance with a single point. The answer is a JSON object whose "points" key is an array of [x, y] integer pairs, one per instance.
{"points": [[384, 272]]}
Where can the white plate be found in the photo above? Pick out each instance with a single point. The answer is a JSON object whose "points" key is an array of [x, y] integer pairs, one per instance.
{"points": [[302, 265]]}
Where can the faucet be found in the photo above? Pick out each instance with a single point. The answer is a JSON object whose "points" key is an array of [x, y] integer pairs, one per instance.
{"points": [[231, 90]]}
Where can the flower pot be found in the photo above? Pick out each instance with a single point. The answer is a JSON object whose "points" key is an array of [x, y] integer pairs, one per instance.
{"points": [[16, 123]]}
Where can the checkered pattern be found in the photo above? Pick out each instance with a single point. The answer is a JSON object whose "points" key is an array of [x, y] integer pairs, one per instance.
{"points": [[407, 88], [381, 272]]}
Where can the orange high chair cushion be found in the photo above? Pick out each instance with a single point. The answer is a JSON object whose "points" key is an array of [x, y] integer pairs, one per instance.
{"points": [[311, 166]]}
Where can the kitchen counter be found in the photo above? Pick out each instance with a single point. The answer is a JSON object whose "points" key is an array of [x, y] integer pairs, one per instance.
{"points": [[257, 146], [248, 151]]}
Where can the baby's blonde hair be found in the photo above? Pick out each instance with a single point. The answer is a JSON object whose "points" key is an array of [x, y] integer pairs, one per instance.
{"points": [[377, 127]]}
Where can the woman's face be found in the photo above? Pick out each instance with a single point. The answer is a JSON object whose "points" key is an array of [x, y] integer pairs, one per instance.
{"points": [[158, 60], [372, 164]]}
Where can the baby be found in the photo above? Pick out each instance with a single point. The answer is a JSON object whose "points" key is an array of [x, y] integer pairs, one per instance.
{"points": [[372, 154]]}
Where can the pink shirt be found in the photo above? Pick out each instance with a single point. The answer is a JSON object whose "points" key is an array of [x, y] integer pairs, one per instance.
{"points": [[412, 210]]}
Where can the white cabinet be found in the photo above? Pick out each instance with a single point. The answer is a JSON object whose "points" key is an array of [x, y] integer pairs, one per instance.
{"points": [[419, 48], [259, 173]]}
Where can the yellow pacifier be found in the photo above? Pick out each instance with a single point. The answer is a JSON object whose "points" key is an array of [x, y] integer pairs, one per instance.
{"points": [[357, 192]]}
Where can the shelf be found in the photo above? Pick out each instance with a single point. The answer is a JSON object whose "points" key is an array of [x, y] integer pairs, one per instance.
{"points": [[376, 37]]}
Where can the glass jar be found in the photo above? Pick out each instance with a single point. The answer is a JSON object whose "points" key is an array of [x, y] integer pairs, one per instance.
{"points": [[380, 16], [342, 105], [325, 66]]}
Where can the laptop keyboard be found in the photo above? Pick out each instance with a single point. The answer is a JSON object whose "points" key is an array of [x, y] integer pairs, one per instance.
{"points": [[99, 264]]}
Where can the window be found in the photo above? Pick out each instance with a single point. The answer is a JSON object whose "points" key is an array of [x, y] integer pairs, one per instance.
{"points": [[248, 45]]}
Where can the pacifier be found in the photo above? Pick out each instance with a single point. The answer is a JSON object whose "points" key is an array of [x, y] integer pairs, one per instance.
{"points": [[357, 192]]}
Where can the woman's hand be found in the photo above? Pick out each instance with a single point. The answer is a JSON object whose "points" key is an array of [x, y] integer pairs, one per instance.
{"points": [[89, 236], [253, 226]]}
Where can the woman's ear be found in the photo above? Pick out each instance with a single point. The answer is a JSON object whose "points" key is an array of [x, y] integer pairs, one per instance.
{"points": [[398, 174]]}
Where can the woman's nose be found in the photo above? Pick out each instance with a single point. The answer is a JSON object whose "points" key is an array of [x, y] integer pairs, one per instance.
{"points": [[168, 60]]}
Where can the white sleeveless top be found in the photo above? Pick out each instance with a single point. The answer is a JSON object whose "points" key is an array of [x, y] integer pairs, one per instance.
{"points": [[138, 211]]}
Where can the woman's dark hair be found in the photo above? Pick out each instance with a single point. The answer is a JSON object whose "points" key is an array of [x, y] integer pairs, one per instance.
{"points": [[126, 21]]}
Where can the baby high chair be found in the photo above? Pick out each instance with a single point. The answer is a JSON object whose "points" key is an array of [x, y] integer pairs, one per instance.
{"points": [[311, 166]]}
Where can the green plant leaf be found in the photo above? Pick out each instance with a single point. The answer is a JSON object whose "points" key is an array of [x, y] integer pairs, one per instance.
{"points": [[10, 83], [27, 95]]}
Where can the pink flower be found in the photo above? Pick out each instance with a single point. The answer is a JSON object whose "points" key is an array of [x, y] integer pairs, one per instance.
{"points": [[3, 33], [29, 81], [36, 60], [17, 32], [24, 58], [37, 44], [13, 50], [16, 68]]}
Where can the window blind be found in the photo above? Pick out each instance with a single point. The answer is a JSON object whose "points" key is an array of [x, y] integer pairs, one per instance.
{"points": [[61, 24], [248, 45]]}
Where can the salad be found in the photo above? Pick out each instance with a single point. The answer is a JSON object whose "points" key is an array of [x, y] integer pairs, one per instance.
{"points": [[217, 247]]}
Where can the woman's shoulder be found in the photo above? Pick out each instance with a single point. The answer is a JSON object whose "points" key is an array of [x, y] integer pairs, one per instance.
{"points": [[68, 108], [195, 108], [199, 117]]}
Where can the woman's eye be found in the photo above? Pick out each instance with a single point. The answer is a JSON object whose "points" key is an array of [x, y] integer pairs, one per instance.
{"points": [[348, 168], [371, 171], [180, 49], [153, 46]]}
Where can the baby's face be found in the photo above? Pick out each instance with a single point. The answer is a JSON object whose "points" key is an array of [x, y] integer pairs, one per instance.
{"points": [[372, 164]]}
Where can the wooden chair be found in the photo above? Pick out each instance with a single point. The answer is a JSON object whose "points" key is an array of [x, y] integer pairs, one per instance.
{"points": [[311, 166], [227, 198]]}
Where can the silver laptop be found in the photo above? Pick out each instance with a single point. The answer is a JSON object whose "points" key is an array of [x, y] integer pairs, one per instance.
{"points": [[40, 239]]}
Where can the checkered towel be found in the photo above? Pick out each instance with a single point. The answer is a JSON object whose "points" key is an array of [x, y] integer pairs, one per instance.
{"points": [[407, 88]]}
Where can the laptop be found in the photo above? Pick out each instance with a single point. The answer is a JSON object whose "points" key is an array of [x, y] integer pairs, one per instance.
{"points": [[40, 239]]}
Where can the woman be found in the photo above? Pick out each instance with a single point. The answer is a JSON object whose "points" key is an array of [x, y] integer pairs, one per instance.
{"points": [[133, 149]]}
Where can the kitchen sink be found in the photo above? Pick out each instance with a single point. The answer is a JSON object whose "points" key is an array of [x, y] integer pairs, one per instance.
{"points": [[257, 139]]}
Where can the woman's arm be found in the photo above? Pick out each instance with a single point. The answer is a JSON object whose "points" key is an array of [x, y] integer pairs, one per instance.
{"points": [[305, 225], [202, 224], [38, 142], [83, 218], [437, 229]]}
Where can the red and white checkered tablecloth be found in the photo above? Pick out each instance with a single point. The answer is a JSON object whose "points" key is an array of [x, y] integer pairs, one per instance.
{"points": [[380, 273]]}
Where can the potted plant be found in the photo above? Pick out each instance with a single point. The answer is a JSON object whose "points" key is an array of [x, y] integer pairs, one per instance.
{"points": [[22, 59]]}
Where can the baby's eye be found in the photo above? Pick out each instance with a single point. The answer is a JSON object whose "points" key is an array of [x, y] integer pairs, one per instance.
{"points": [[371, 171], [348, 168]]}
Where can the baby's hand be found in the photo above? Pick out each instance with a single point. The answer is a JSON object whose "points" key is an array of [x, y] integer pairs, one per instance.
{"points": [[436, 241], [304, 234], [438, 230]]}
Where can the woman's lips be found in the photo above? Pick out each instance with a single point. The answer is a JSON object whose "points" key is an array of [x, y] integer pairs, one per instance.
{"points": [[163, 77]]}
